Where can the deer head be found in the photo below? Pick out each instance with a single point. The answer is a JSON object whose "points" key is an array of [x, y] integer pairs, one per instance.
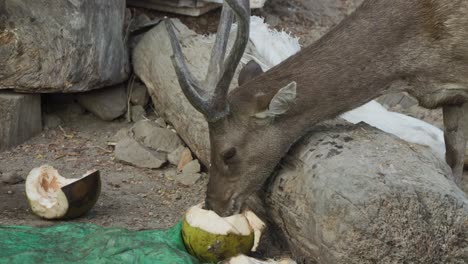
{"points": [[239, 165]]}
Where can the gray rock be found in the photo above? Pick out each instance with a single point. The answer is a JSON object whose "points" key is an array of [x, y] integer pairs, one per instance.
{"points": [[130, 151], [190, 173], [20, 118], [139, 94], [168, 99], [155, 137], [62, 46], [191, 167], [121, 134], [51, 121], [401, 99], [138, 113], [107, 104], [353, 194], [174, 156], [160, 122], [188, 179], [12, 177]]}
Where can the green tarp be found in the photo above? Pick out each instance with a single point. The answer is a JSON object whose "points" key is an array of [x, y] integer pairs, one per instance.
{"points": [[86, 243]]}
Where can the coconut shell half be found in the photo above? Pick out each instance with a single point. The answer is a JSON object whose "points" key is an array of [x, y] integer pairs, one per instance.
{"points": [[212, 238], [52, 196]]}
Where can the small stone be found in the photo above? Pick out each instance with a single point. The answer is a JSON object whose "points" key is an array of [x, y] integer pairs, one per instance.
{"points": [[51, 121], [138, 113], [130, 151], [174, 156], [155, 137], [160, 122], [139, 94], [106, 103], [188, 179], [185, 158], [121, 134], [9, 192], [11, 177], [191, 167]]}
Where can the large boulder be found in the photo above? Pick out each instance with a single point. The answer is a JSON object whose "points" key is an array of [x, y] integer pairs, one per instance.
{"points": [[353, 194], [62, 45], [345, 193], [169, 101]]}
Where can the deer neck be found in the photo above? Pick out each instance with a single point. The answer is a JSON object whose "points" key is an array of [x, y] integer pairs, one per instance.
{"points": [[355, 62]]}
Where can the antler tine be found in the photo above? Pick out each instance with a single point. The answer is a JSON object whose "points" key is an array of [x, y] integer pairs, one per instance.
{"points": [[220, 71], [190, 86], [218, 102], [219, 48]]}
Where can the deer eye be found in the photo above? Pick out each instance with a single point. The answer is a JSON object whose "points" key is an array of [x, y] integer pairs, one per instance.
{"points": [[228, 154]]}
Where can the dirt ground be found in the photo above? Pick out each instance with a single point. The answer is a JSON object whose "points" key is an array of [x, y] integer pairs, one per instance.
{"points": [[131, 197]]}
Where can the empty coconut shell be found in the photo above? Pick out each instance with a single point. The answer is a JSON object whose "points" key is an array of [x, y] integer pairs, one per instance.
{"points": [[52, 196]]}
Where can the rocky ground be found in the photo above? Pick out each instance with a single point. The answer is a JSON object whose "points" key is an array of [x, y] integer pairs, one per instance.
{"points": [[75, 141], [132, 197]]}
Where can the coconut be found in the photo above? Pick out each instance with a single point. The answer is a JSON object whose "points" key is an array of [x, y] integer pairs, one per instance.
{"points": [[52, 196], [212, 238]]}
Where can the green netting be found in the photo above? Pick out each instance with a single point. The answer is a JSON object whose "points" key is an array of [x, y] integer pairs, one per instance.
{"points": [[86, 243]]}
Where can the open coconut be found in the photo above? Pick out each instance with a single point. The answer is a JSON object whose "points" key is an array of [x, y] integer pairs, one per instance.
{"points": [[52, 196], [212, 238]]}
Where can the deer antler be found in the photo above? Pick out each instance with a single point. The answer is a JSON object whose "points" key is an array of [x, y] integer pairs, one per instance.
{"points": [[220, 70]]}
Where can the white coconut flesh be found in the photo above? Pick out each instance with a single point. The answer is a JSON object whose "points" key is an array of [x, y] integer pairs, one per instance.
{"points": [[239, 224], [43, 189], [257, 225], [211, 222]]}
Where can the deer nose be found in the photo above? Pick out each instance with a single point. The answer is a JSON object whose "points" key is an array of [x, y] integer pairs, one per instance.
{"points": [[223, 207]]}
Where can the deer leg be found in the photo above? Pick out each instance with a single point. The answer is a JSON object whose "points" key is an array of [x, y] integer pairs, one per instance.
{"points": [[455, 143]]}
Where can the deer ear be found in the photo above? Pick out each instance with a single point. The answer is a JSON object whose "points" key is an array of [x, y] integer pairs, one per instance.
{"points": [[280, 103], [251, 70]]}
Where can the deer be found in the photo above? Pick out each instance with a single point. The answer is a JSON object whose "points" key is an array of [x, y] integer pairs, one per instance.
{"points": [[418, 46]]}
